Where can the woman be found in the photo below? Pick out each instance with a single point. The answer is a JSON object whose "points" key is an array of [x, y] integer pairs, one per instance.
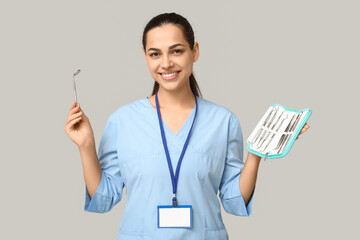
{"points": [[144, 142]]}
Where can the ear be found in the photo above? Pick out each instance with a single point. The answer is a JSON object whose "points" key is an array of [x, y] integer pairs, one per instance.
{"points": [[196, 52]]}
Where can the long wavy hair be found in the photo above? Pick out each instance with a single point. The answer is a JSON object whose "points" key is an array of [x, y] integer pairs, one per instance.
{"points": [[184, 25]]}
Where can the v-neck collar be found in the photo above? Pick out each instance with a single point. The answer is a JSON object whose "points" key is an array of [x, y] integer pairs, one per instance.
{"points": [[180, 134]]}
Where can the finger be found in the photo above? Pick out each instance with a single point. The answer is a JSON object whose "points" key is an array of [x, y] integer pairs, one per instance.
{"points": [[73, 116], [305, 128], [68, 127], [73, 122], [73, 105], [75, 109]]}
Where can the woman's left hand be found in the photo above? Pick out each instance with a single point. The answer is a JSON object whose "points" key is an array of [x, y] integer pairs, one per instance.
{"points": [[304, 129]]}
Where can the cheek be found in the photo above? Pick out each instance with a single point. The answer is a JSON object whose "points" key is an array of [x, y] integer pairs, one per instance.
{"points": [[189, 65], [151, 67], [185, 63]]}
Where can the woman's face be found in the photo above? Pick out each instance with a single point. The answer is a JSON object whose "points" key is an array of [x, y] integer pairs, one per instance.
{"points": [[169, 57]]}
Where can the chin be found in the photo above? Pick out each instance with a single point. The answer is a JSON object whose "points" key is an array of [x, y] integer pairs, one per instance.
{"points": [[172, 87]]}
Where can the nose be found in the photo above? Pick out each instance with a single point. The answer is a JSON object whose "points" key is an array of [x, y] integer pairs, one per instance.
{"points": [[166, 62]]}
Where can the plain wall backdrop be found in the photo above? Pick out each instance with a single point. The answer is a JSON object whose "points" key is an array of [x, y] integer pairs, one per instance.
{"points": [[301, 54]]}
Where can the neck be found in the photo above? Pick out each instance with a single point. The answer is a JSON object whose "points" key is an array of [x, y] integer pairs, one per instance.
{"points": [[183, 98]]}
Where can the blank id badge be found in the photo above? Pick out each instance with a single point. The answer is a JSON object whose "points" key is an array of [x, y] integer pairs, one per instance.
{"points": [[174, 217]]}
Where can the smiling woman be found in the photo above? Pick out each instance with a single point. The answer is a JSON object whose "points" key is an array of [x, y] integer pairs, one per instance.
{"points": [[170, 58], [169, 46], [174, 131]]}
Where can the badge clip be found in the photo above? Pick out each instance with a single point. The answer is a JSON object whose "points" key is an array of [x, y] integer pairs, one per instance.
{"points": [[174, 201]]}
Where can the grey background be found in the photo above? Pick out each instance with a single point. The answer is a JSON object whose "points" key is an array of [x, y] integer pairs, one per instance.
{"points": [[301, 54]]}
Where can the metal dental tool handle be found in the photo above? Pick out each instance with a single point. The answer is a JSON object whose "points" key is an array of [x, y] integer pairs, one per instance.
{"points": [[286, 130], [269, 124], [274, 133], [75, 93], [270, 130], [291, 130], [286, 135], [263, 126]]}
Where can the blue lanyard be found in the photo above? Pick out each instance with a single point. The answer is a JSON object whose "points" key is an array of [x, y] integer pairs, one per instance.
{"points": [[175, 178]]}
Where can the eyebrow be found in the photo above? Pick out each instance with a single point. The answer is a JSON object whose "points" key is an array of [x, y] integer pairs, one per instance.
{"points": [[171, 47]]}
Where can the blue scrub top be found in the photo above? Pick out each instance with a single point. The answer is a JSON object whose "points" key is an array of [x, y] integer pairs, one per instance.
{"points": [[131, 154]]}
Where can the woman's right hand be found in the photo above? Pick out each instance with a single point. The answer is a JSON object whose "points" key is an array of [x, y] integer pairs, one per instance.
{"points": [[78, 127]]}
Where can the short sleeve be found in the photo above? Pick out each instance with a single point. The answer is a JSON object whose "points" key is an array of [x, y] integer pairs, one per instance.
{"points": [[109, 191], [230, 194]]}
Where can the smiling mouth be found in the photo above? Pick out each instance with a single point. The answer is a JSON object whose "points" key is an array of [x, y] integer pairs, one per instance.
{"points": [[170, 74]]}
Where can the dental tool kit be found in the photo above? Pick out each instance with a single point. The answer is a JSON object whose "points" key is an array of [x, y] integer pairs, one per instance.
{"points": [[277, 131]]}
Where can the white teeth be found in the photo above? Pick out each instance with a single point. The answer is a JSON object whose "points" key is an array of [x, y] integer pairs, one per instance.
{"points": [[169, 75]]}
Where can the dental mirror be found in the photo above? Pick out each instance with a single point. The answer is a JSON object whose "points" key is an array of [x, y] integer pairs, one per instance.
{"points": [[75, 93]]}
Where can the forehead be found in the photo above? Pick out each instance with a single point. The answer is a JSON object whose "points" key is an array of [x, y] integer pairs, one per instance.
{"points": [[164, 36]]}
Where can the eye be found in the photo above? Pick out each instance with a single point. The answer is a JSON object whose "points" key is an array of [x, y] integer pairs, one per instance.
{"points": [[178, 51], [152, 54]]}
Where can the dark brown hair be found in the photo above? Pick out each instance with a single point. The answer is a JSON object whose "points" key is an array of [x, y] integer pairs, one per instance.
{"points": [[184, 25]]}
